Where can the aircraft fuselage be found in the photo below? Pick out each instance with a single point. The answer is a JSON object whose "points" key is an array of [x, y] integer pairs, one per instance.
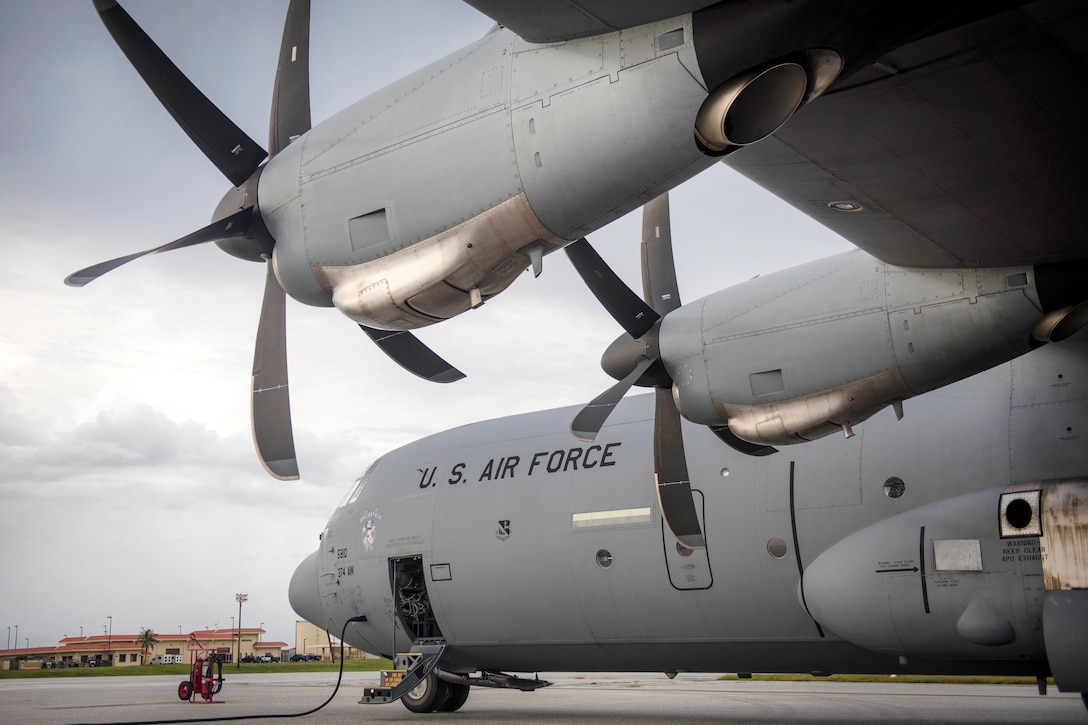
{"points": [[890, 551]]}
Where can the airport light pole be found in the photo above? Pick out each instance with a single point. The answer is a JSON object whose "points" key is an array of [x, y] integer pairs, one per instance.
{"points": [[109, 643], [81, 631], [16, 636], [9, 638], [240, 597]]}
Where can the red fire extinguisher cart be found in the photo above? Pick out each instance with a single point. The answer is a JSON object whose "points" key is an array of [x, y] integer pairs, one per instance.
{"points": [[205, 674]]}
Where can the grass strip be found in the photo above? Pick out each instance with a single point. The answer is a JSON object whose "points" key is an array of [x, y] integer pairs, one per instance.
{"points": [[182, 671]]}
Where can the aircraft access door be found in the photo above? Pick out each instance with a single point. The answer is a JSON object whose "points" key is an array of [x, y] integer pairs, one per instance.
{"points": [[688, 568], [412, 603]]}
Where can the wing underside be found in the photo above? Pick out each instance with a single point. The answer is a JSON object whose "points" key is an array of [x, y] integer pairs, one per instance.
{"points": [[549, 21], [962, 149]]}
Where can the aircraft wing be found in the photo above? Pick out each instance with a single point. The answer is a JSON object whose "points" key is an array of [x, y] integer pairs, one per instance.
{"points": [[548, 21], [961, 149]]}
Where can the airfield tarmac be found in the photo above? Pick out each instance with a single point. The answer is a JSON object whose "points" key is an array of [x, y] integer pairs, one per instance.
{"points": [[588, 698]]}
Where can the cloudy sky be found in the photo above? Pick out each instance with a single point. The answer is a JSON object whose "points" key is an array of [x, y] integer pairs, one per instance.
{"points": [[128, 482]]}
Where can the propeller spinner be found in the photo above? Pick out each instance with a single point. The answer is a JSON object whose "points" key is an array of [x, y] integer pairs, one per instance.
{"points": [[238, 226]]}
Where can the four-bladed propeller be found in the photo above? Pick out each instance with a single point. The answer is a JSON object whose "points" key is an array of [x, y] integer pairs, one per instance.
{"points": [[240, 227], [635, 359]]}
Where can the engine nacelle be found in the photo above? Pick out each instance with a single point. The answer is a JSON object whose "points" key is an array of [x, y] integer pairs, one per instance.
{"points": [[819, 347], [431, 196]]}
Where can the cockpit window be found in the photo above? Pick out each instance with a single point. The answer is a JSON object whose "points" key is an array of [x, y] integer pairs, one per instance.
{"points": [[353, 492], [360, 484]]}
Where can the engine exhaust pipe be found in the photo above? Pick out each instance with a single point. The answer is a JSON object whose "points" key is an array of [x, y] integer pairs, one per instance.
{"points": [[750, 106], [1060, 324]]}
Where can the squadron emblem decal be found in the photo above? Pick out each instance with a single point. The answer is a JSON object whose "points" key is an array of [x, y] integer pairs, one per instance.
{"points": [[502, 533], [369, 521]]}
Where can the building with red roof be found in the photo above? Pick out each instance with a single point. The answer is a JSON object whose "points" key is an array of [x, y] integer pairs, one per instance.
{"points": [[124, 650]]}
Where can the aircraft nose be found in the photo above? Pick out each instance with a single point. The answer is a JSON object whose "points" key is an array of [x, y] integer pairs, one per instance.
{"points": [[303, 593]]}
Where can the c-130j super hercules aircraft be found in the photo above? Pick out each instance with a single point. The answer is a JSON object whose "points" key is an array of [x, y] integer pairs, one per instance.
{"points": [[949, 539], [939, 138]]}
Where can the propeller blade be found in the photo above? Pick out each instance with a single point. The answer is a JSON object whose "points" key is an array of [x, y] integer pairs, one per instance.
{"points": [[659, 286], [271, 401], [739, 444], [290, 116], [235, 225], [632, 314], [234, 153], [411, 354], [587, 424], [671, 470]]}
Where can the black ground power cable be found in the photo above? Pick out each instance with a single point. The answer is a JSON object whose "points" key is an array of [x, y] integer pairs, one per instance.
{"points": [[229, 718]]}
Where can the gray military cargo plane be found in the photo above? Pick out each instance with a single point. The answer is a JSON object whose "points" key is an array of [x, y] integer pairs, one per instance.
{"points": [[947, 138], [952, 538]]}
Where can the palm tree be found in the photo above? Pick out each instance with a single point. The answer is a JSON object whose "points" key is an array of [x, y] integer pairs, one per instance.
{"points": [[147, 641]]}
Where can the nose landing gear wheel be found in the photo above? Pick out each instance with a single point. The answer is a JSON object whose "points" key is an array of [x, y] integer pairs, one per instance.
{"points": [[427, 695], [185, 690], [457, 694]]}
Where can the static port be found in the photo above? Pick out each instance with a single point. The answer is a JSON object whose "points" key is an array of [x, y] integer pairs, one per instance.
{"points": [[894, 487]]}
